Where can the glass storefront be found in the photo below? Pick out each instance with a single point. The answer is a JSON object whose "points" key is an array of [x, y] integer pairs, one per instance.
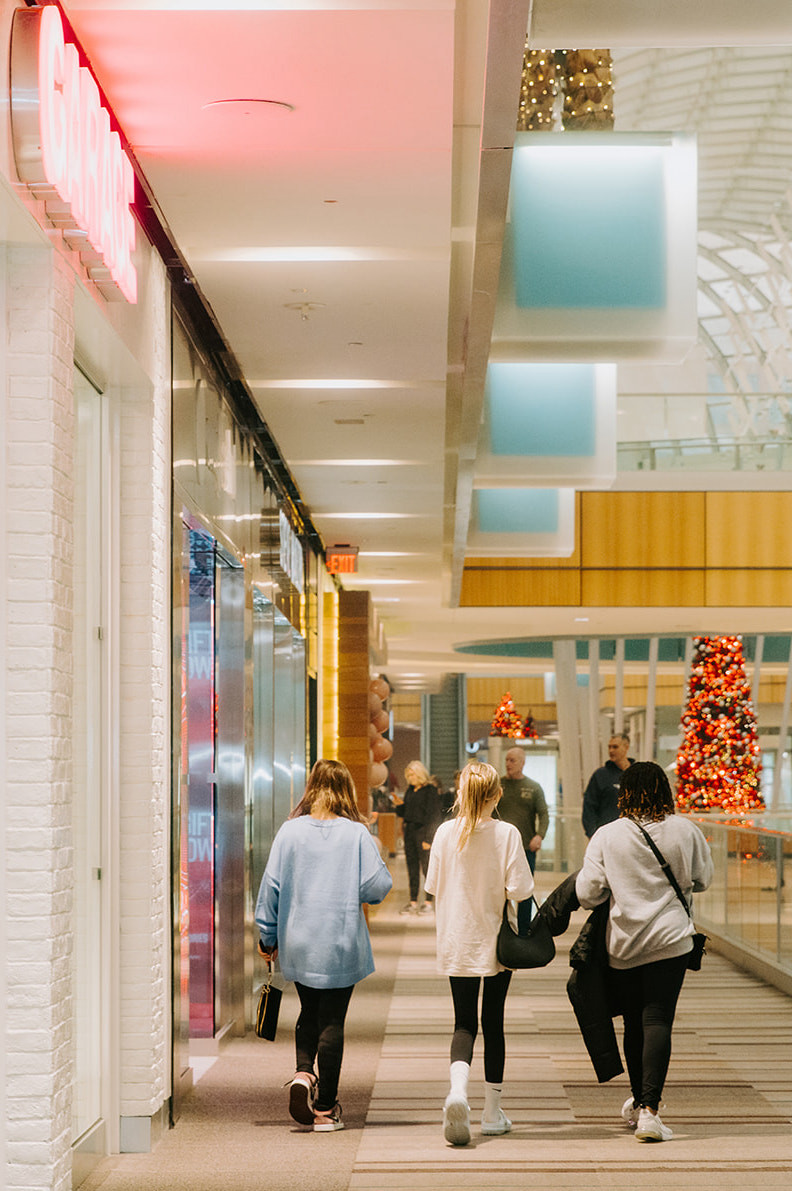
{"points": [[240, 673]]}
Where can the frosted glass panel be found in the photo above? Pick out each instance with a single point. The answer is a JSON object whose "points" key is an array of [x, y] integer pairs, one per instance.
{"points": [[599, 254], [593, 238], [548, 425], [522, 522]]}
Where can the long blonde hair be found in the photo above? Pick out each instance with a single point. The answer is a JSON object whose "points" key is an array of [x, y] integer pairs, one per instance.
{"points": [[479, 783], [330, 787]]}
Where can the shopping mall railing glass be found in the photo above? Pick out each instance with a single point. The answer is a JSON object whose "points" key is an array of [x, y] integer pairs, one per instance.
{"points": [[748, 904]]}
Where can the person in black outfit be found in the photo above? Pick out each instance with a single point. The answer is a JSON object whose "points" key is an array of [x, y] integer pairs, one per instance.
{"points": [[420, 814], [601, 797]]}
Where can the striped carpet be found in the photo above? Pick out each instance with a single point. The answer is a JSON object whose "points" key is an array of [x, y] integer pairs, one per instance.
{"points": [[729, 1094]]}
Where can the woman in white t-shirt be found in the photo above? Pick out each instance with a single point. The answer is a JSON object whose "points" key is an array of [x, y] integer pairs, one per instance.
{"points": [[476, 863]]}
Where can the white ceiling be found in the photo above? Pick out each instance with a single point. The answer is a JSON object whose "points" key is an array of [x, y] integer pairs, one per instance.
{"points": [[336, 232]]}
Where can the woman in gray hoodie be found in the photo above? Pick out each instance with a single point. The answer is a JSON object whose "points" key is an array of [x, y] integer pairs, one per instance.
{"points": [[649, 933]]}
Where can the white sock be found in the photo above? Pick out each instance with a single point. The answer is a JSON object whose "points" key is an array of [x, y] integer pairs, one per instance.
{"points": [[460, 1074], [492, 1099]]}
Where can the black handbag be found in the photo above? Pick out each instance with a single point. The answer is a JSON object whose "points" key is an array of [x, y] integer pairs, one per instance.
{"points": [[268, 1009], [699, 940], [534, 949]]}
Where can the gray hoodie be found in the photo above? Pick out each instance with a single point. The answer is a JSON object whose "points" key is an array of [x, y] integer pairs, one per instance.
{"points": [[647, 922]]}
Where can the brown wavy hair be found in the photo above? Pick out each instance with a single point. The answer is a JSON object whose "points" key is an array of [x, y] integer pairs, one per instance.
{"points": [[645, 792], [330, 788]]}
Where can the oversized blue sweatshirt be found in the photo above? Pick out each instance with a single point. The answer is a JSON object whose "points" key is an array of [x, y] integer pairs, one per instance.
{"points": [[310, 903]]}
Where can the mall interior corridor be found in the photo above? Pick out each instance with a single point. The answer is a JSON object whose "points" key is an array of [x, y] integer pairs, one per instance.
{"points": [[729, 1093]]}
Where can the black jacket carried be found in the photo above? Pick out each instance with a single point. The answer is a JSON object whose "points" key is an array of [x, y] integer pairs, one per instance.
{"points": [[588, 985]]}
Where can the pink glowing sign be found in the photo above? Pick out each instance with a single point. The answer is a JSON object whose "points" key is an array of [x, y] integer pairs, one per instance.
{"points": [[66, 151]]}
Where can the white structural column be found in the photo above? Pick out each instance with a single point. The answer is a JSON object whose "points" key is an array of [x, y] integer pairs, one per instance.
{"points": [[618, 695], [568, 725], [651, 699], [591, 751], [783, 729], [756, 677], [38, 496]]}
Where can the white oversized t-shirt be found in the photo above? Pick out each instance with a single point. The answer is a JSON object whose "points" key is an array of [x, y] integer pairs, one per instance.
{"points": [[470, 888]]}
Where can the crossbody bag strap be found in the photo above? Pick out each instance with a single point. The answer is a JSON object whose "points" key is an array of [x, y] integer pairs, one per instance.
{"points": [[665, 866]]}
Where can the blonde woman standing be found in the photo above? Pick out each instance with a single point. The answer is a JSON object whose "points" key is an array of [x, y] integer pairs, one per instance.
{"points": [[419, 812], [476, 864]]}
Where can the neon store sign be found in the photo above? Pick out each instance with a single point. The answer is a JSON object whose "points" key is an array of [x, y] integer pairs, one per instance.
{"points": [[66, 151]]}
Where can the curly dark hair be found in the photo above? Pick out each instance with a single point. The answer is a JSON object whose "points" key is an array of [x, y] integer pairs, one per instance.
{"points": [[645, 792]]}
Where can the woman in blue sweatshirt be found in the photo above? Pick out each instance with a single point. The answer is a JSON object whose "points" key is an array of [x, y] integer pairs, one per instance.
{"points": [[323, 867]]}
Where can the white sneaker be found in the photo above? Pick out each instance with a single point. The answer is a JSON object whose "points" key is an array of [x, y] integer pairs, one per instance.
{"points": [[495, 1128], [630, 1113], [651, 1128], [456, 1120]]}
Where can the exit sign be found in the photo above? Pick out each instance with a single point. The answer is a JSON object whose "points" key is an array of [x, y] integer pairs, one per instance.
{"points": [[342, 560]]}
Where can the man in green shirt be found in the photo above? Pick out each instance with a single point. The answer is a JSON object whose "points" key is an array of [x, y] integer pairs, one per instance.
{"points": [[523, 804]]}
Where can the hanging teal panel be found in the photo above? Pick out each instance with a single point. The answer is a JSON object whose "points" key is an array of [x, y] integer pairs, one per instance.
{"points": [[517, 510], [542, 409], [588, 228]]}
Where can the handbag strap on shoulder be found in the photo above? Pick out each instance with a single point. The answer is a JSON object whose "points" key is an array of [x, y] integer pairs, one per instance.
{"points": [[665, 866]]}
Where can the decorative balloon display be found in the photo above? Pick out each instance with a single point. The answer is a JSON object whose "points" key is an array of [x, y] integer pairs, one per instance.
{"points": [[380, 749]]}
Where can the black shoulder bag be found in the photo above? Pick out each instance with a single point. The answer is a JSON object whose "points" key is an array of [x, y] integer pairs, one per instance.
{"points": [[699, 939], [535, 949]]}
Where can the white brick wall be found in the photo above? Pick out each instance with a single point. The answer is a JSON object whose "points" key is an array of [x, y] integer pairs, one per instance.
{"points": [[38, 518], [145, 722], [37, 487]]}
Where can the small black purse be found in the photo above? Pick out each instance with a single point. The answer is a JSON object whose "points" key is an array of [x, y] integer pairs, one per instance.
{"points": [[534, 949], [268, 1009]]}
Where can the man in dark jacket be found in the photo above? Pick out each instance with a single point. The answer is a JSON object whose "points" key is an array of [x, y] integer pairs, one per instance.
{"points": [[601, 798]]}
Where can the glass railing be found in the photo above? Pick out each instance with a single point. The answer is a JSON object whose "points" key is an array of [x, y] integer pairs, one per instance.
{"points": [[705, 454], [749, 902]]}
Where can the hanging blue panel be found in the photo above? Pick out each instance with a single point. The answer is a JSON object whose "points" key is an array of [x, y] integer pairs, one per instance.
{"points": [[541, 409], [588, 229]]}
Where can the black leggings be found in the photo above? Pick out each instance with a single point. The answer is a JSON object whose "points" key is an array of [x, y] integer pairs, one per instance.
{"points": [[465, 992], [647, 996], [416, 856], [320, 1032]]}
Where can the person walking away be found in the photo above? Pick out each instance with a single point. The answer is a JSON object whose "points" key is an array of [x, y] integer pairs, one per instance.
{"points": [[420, 814], [648, 934], [476, 864], [601, 796], [323, 867]]}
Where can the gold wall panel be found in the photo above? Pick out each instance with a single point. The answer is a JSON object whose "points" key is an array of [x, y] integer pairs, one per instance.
{"points": [[631, 588], [748, 589], [749, 529], [519, 588], [642, 529]]}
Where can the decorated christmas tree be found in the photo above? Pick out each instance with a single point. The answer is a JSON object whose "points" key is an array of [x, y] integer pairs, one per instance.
{"points": [[507, 720], [529, 728], [718, 762]]}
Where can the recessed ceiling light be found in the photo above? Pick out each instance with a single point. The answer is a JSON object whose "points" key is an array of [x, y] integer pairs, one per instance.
{"points": [[249, 106]]}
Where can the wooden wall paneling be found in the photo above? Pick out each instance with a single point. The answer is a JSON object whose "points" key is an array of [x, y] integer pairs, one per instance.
{"points": [[749, 529], [353, 680], [748, 588], [642, 529], [649, 588], [520, 588]]}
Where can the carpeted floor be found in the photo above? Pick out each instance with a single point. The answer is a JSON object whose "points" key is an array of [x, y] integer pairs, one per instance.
{"points": [[729, 1094]]}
